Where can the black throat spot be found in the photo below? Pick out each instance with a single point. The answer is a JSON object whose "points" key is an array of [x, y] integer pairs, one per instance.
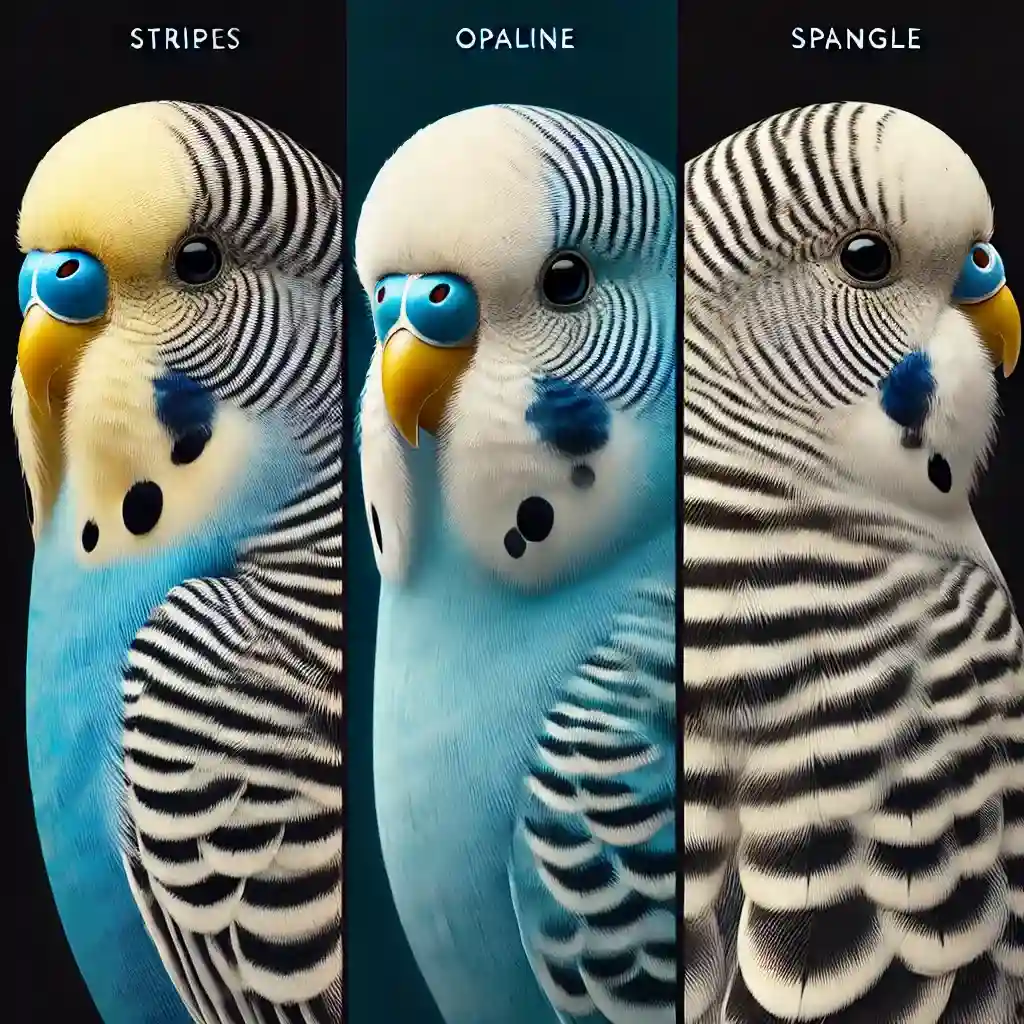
{"points": [[939, 473]]}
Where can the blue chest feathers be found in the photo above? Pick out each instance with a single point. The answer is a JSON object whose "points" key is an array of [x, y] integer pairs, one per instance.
{"points": [[467, 667], [81, 624]]}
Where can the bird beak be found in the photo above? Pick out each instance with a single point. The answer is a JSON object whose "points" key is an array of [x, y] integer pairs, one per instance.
{"points": [[998, 322], [418, 380], [48, 352]]}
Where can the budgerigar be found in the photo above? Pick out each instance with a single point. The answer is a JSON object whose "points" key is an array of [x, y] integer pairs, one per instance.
{"points": [[518, 461], [177, 404], [853, 732]]}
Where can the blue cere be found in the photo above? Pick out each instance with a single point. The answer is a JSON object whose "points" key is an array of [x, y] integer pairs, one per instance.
{"points": [[981, 276], [26, 276], [907, 390], [182, 405], [569, 417], [442, 308], [71, 286], [386, 303]]}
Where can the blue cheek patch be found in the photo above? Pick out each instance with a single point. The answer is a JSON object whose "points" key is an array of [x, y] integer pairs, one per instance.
{"points": [[182, 405], [71, 286], [569, 418], [981, 276], [442, 308], [386, 303], [906, 391]]}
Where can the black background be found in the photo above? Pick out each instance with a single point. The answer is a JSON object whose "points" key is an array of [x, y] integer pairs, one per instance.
{"points": [[736, 69], [70, 61]]}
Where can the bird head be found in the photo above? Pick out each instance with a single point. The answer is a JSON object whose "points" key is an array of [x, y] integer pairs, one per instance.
{"points": [[826, 248], [173, 254], [520, 269]]}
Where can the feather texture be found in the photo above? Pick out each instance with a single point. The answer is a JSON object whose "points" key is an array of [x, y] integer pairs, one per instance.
{"points": [[210, 812], [593, 867], [851, 658], [524, 715]]}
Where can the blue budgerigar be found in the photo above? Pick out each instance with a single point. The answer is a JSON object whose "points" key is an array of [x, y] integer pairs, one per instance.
{"points": [[177, 404], [518, 460]]}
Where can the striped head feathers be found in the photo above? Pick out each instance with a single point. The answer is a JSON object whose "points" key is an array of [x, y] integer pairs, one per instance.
{"points": [[183, 264], [823, 250], [520, 268]]}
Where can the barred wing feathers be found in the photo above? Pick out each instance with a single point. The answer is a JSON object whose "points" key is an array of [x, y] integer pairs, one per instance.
{"points": [[593, 867]]}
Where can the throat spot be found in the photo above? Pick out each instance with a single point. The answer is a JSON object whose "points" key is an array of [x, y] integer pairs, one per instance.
{"points": [[940, 474], [531, 512], [142, 507], [535, 518], [136, 486], [187, 448]]}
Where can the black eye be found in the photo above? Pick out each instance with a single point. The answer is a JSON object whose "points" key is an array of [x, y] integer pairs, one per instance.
{"points": [[566, 279], [198, 261], [866, 258]]}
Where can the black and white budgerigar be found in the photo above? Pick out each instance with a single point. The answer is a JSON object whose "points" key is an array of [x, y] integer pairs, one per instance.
{"points": [[853, 712], [177, 403]]}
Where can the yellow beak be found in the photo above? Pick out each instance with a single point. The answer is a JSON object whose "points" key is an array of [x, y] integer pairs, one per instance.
{"points": [[998, 322], [48, 352], [418, 380]]}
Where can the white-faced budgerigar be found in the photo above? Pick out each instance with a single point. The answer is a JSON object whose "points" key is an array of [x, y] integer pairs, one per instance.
{"points": [[520, 265], [853, 732], [177, 404]]}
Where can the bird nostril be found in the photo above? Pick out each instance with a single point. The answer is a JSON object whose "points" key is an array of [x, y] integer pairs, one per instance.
{"points": [[439, 292], [67, 268], [980, 257]]}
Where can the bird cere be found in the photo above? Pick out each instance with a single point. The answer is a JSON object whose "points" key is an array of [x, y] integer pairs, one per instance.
{"points": [[853, 739]]}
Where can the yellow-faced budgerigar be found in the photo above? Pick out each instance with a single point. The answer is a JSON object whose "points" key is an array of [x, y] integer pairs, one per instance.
{"points": [[853, 733], [518, 460], [177, 403]]}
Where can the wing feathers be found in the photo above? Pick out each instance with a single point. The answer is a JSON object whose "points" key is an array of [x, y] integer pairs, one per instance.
{"points": [[593, 866]]}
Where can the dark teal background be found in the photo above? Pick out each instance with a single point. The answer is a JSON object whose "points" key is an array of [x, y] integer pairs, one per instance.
{"points": [[404, 71]]}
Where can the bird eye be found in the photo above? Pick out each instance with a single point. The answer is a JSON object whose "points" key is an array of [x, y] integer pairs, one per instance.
{"points": [[198, 261], [566, 280], [866, 258]]}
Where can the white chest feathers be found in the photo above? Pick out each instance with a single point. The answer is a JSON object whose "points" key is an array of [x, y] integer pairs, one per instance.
{"points": [[520, 507]]}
